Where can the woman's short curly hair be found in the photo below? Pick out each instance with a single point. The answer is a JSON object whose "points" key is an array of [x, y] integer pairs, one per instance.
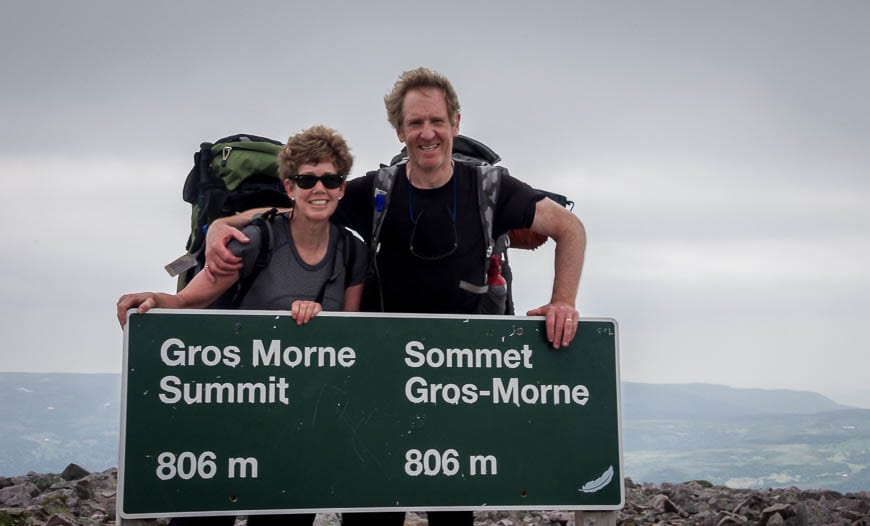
{"points": [[317, 144], [416, 79]]}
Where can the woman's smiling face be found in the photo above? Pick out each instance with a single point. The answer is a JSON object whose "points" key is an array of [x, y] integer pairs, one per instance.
{"points": [[318, 202]]}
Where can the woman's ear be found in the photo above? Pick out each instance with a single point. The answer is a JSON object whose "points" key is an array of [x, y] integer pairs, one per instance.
{"points": [[288, 187]]}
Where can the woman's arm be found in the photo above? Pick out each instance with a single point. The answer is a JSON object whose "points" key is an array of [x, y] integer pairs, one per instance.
{"points": [[352, 298], [200, 292], [143, 302]]}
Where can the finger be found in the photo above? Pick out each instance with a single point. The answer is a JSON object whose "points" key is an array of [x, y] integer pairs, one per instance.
{"points": [[238, 235], [570, 327], [312, 309], [304, 313], [119, 311], [540, 311], [571, 324], [551, 327], [224, 263], [122, 315], [563, 327], [315, 310], [227, 256], [146, 305], [126, 303], [562, 324]]}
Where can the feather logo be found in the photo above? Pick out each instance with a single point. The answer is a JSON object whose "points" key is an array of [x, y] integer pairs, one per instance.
{"points": [[598, 484]]}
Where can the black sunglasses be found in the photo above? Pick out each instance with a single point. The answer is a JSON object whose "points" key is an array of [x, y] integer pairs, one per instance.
{"points": [[307, 181]]}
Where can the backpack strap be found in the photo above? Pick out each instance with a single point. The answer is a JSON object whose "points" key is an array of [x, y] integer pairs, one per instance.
{"points": [[385, 179], [345, 245], [382, 190], [349, 254], [488, 185], [488, 180]]}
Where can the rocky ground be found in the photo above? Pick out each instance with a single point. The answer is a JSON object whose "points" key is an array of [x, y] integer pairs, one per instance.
{"points": [[78, 497]]}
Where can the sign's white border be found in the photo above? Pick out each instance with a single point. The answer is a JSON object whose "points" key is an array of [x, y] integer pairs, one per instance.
{"points": [[482, 507]]}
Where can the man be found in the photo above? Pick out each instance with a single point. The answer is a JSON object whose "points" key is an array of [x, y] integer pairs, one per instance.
{"points": [[431, 254]]}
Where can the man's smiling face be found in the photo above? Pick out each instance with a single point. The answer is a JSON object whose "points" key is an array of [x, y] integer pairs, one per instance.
{"points": [[427, 130]]}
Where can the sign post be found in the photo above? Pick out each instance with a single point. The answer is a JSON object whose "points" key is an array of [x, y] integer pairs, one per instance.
{"points": [[244, 412]]}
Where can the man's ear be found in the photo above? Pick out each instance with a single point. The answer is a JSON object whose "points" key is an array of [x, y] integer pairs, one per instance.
{"points": [[456, 126], [400, 134]]}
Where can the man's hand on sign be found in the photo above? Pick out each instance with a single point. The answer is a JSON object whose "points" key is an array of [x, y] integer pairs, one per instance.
{"points": [[561, 322]]}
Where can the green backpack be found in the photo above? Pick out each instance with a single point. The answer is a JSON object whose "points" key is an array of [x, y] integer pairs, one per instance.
{"points": [[230, 175]]}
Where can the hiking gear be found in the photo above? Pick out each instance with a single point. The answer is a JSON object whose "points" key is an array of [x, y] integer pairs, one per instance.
{"points": [[525, 239], [263, 222], [307, 181], [483, 159], [270, 243], [495, 299], [230, 175]]}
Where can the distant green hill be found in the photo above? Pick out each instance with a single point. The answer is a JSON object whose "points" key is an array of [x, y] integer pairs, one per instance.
{"points": [[646, 401], [829, 450], [670, 433], [743, 437]]}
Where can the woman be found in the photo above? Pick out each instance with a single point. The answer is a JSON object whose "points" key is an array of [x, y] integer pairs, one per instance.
{"points": [[308, 270], [305, 272]]}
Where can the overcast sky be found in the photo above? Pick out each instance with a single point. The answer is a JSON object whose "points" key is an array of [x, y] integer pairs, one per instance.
{"points": [[718, 154]]}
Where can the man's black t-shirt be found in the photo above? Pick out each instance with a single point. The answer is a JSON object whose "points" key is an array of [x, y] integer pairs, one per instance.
{"points": [[426, 279]]}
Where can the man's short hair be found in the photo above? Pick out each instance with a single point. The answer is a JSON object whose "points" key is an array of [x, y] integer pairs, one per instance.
{"points": [[317, 144], [416, 79]]}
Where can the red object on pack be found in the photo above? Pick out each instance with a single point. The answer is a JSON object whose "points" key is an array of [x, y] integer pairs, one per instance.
{"points": [[526, 239], [494, 277]]}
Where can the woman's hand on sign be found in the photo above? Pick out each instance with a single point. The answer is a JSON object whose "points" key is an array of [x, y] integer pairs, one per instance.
{"points": [[302, 311], [142, 301]]}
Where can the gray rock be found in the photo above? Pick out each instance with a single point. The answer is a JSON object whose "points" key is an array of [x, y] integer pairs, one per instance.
{"points": [[48, 499], [663, 504], [19, 495], [74, 472], [83, 489], [61, 519]]}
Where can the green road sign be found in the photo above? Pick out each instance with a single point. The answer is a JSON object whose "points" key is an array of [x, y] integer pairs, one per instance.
{"points": [[244, 412]]}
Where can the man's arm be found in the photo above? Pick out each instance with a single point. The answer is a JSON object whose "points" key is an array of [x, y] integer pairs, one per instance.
{"points": [[219, 260], [569, 234]]}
